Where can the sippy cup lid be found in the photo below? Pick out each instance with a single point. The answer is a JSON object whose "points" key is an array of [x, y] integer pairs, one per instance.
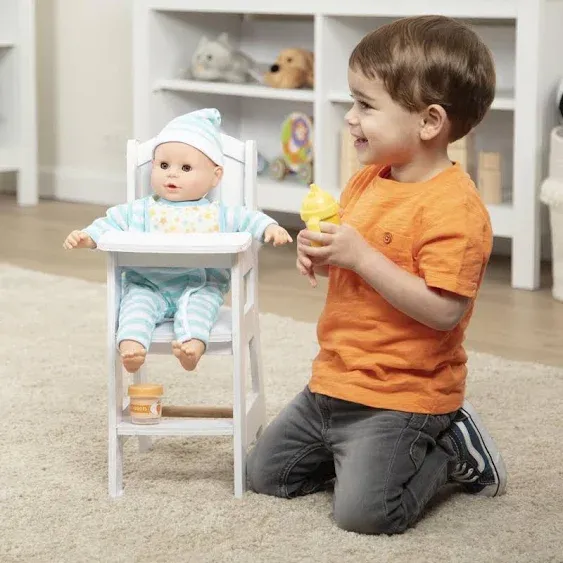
{"points": [[318, 203]]}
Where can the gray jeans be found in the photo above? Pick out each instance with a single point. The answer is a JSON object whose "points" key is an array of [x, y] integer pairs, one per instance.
{"points": [[387, 464]]}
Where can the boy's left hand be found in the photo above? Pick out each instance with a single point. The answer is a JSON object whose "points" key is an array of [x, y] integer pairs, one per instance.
{"points": [[342, 245], [277, 235]]}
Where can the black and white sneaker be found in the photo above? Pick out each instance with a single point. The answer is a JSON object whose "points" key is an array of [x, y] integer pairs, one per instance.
{"points": [[480, 468]]}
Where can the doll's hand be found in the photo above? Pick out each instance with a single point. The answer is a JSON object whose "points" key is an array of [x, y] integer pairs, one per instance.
{"points": [[277, 235], [78, 239]]}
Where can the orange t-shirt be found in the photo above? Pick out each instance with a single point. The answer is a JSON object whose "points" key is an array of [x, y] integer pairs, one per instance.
{"points": [[373, 354]]}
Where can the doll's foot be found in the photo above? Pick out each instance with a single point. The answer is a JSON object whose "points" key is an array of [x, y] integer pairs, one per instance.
{"points": [[133, 355], [188, 353]]}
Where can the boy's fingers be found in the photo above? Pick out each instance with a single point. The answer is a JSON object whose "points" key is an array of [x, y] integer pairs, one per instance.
{"points": [[328, 227], [319, 252], [313, 236]]}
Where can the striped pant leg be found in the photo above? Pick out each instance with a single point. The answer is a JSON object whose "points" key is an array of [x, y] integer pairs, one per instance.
{"points": [[197, 312], [140, 311]]}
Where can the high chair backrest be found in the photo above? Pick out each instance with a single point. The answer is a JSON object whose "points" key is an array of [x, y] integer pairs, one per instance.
{"points": [[238, 186]]}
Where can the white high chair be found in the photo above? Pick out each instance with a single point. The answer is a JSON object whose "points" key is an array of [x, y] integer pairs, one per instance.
{"points": [[236, 329]]}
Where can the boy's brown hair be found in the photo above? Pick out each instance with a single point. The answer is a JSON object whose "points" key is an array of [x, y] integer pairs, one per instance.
{"points": [[426, 60]]}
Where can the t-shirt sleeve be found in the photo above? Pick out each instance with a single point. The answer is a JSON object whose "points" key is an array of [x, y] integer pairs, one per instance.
{"points": [[453, 248]]}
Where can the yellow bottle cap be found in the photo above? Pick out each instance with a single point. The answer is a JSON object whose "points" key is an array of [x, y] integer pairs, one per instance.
{"points": [[318, 203], [145, 390]]}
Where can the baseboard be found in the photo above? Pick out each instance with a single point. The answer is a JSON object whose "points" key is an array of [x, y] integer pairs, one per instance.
{"points": [[81, 185]]}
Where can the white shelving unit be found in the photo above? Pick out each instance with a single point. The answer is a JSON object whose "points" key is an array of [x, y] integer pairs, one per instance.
{"points": [[524, 36], [18, 114]]}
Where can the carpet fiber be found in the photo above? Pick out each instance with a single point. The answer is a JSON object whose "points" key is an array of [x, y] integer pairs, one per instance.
{"points": [[178, 504]]}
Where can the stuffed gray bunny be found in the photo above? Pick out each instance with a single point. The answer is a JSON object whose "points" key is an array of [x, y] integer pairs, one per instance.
{"points": [[218, 61]]}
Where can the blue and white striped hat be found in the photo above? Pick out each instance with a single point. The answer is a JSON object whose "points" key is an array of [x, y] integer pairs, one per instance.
{"points": [[199, 129]]}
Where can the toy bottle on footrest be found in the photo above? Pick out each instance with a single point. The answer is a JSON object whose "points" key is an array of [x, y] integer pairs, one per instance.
{"points": [[319, 206]]}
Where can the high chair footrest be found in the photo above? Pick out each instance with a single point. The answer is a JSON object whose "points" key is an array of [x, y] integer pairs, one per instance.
{"points": [[174, 427], [162, 243]]}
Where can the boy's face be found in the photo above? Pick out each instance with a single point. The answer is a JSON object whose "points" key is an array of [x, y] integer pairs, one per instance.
{"points": [[384, 132], [180, 172]]}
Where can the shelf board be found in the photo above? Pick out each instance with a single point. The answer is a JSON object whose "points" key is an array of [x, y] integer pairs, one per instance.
{"points": [[6, 44], [502, 219], [504, 99], [178, 427], [285, 196], [9, 161], [240, 90]]}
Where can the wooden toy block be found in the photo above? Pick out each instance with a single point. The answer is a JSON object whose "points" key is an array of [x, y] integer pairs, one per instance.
{"points": [[462, 151], [489, 177]]}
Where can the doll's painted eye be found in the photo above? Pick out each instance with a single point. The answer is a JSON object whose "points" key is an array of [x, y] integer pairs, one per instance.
{"points": [[209, 57], [164, 165], [186, 168]]}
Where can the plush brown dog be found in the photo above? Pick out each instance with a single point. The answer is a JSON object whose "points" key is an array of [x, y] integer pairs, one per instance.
{"points": [[294, 68]]}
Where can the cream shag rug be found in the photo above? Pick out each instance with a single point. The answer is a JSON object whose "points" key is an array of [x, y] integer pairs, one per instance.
{"points": [[178, 504]]}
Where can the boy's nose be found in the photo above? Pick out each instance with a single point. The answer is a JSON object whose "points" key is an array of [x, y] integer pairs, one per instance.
{"points": [[351, 118]]}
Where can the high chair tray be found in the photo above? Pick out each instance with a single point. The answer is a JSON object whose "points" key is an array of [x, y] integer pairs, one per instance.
{"points": [[163, 243]]}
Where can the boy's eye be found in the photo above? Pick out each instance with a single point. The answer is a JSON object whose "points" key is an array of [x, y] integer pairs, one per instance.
{"points": [[164, 165], [363, 105], [186, 168]]}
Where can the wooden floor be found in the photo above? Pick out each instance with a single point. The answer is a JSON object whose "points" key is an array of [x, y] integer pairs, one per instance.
{"points": [[519, 325]]}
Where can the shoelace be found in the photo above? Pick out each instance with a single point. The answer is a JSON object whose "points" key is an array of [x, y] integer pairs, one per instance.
{"points": [[464, 473]]}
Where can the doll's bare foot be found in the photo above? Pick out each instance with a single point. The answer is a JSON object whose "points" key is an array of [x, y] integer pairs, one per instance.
{"points": [[133, 355], [189, 353]]}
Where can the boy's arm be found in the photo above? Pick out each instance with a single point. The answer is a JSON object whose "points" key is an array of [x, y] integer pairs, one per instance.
{"points": [[450, 255], [436, 308]]}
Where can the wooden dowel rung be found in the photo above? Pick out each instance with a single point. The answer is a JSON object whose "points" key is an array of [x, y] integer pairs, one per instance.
{"points": [[196, 411]]}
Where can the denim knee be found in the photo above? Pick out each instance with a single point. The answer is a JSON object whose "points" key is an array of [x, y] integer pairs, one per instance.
{"points": [[358, 516], [258, 477]]}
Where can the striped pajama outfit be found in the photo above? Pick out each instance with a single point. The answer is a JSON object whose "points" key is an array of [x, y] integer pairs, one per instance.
{"points": [[190, 296]]}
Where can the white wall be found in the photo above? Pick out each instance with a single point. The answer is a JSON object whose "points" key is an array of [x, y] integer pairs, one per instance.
{"points": [[85, 93]]}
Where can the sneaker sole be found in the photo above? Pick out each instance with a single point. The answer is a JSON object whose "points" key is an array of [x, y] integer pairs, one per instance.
{"points": [[495, 459]]}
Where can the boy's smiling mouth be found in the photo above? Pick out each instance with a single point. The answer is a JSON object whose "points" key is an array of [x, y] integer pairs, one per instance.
{"points": [[360, 142]]}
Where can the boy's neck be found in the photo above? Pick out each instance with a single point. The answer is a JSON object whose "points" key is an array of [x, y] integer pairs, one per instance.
{"points": [[423, 167]]}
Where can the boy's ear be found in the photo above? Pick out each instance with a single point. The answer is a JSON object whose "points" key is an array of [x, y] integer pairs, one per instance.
{"points": [[434, 122]]}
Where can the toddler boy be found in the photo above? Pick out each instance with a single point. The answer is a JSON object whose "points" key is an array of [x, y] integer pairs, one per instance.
{"points": [[384, 412]]}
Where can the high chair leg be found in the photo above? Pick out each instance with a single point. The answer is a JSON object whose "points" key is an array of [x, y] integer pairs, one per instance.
{"points": [[257, 375], [115, 442], [115, 382], [239, 387]]}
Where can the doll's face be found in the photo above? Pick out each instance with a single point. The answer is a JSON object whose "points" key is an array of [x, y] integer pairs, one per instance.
{"points": [[180, 172]]}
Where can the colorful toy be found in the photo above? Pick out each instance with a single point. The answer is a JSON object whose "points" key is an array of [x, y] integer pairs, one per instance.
{"points": [[218, 60], [297, 149], [293, 68], [318, 206]]}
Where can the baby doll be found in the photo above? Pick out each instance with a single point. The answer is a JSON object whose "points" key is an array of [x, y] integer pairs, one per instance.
{"points": [[187, 164]]}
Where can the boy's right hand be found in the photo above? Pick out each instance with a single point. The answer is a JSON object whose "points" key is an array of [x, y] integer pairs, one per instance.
{"points": [[78, 239], [304, 263]]}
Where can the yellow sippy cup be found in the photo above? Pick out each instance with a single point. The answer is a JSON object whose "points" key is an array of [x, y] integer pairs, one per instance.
{"points": [[318, 206]]}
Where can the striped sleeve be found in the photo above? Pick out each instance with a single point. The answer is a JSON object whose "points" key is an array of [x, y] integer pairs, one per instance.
{"points": [[116, 219], [240, 219]]}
